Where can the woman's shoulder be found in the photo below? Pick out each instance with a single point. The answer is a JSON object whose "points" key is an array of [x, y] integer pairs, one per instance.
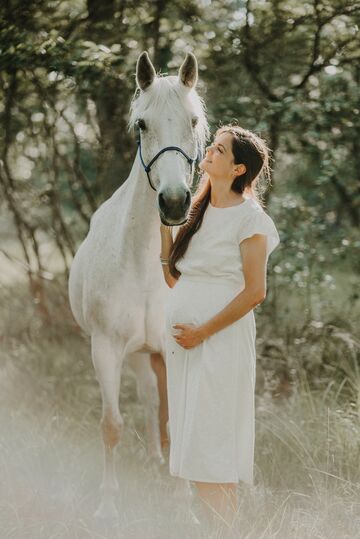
{"points": [[258, 221], [254, 205], [254, 210]]}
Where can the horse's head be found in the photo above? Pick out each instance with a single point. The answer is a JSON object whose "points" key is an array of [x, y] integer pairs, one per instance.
{"points": [[172, 128]]}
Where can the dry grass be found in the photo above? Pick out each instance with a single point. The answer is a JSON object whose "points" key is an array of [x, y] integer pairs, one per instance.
{"points": [[307, 478]]}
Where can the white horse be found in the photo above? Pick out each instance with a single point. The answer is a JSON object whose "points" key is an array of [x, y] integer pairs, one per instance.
{"points": [[116, 285]]}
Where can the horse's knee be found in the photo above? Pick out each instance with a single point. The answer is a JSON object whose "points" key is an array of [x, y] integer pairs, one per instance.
{"points": [[111, 428]]}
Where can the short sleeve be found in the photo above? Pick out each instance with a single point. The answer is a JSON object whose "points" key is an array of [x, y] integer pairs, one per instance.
{"points": [[260, 222]]}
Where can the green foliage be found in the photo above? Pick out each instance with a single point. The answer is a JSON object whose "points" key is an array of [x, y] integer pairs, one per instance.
{"points": [[285, 69]]}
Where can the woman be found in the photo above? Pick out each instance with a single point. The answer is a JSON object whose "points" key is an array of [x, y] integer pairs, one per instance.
{"points": [[216, 271]]}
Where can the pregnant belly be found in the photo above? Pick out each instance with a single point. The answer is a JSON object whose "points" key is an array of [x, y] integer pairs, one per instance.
{"points": [[195, 301]]}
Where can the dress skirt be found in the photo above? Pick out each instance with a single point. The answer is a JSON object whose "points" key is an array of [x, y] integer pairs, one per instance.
{"points": [[211, 387]]}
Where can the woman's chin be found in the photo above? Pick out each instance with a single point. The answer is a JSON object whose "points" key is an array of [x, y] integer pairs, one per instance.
{"points": [[204, 166]]}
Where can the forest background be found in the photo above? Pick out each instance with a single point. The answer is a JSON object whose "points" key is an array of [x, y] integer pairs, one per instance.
{"points": [[288, 70]]}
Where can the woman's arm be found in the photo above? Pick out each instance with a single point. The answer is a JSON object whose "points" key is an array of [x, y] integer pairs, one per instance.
{"points": [[253, 253], [166, 246]]}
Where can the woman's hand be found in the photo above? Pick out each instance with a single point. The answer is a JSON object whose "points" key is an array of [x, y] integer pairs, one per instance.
{"points": [[189, 336]]}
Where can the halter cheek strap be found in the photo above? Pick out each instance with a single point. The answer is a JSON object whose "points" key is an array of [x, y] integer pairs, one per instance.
{"points": [[147, 167]]}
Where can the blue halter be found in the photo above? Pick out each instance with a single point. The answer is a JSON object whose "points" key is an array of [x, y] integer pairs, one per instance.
{"points": [[147, 168]]}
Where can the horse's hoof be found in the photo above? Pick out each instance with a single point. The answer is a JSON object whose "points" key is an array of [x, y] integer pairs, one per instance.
{"points": [[156, 457], [106, 513], [159, 459]]}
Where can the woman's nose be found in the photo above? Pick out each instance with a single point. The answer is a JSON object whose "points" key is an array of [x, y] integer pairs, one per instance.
{"points": [[209, 149]]}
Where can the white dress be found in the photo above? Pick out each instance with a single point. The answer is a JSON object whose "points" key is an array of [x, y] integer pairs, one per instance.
{"points": [[211, 387]]}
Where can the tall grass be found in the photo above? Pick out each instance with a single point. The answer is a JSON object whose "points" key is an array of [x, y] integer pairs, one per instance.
{"points": [[307, 477]]}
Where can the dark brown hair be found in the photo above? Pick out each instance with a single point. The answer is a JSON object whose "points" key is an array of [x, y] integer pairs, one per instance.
{"points": [[248, 149]]}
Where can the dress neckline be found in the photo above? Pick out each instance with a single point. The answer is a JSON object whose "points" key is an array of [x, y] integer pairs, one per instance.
{"points": [[229, 207]]}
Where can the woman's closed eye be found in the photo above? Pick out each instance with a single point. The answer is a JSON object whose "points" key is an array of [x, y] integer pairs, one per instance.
{"points": [[214, 147]]}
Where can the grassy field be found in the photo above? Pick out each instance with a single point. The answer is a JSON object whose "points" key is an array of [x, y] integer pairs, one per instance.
{"points": [[307, 476]]}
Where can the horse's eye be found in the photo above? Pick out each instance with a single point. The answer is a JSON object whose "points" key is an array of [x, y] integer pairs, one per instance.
{"points": [[194, 121], [141, 124]]}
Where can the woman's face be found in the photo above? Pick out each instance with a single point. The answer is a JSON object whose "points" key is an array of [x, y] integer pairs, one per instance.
{"points": [[219, 159]]}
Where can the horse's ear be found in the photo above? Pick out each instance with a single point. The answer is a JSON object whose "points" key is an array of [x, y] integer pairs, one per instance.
{"points": [[145, 71], [188, 72]]}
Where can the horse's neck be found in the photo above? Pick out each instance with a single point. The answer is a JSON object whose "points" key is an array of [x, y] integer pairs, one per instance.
{"points": [[141, 198], [142, 223]]}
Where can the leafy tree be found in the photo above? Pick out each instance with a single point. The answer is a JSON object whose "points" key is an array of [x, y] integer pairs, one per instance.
{"points": [[285, 69]]}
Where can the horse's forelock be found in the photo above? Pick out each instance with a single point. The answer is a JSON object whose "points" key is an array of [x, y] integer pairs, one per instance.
{"points": [[165, 90]]}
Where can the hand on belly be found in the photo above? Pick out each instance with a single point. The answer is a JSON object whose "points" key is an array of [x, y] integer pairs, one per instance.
{"points": [[187, 335]]}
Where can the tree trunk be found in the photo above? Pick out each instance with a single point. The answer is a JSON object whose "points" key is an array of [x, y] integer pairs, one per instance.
{"points": [[112, 98]]}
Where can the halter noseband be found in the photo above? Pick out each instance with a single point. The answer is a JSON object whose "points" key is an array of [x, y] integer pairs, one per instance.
{"points": [[147, 168]]}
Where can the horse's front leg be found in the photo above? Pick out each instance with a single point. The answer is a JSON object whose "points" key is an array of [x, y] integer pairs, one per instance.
{"points": [[107, 360]]}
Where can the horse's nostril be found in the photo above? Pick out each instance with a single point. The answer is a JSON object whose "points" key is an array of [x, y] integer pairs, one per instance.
{"points": [[188, 198], [161, 201]]}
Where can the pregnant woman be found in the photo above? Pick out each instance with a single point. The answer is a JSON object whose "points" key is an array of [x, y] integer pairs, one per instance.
{"points": [[215, 267]]}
